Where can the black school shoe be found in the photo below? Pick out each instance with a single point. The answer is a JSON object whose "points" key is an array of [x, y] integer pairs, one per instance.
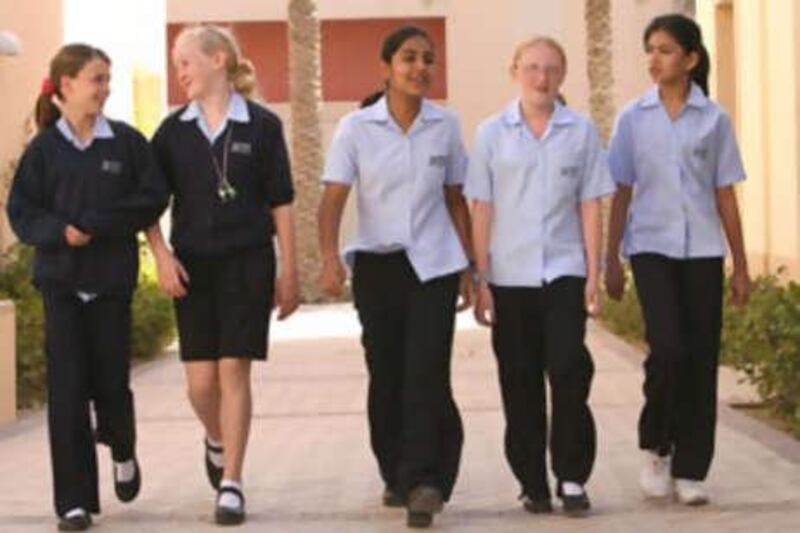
{"points": [[128, 490], [536, 506], [213, 471], [423, 502], [229, 516], [80, 522], [575, 506], [391, 498]]}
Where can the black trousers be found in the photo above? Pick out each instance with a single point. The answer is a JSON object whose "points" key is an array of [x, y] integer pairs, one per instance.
{"points": [[415, 427], [538, 332], [88, 361], [682, 305]]}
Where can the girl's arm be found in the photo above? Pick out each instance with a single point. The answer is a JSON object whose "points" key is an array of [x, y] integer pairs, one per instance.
{"points": [[614, 275], [459, 213], [728, 208], [591, 220], [329, 219], [482, 213], [287, 295]]}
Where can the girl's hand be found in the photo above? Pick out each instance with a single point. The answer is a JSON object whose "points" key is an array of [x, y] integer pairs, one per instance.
{"points": [[287, 293], [484, 305], [76, 237], [466, 291], [740, 287], [172, 276], [332, 277], [592, 298]]}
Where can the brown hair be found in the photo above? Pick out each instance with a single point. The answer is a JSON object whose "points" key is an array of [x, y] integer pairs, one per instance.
{"points": [[240, 71], [536, 40], [69, 61]]}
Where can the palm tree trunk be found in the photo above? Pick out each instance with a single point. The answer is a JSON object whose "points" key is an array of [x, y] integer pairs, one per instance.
{"points": [[599, 64], [306, 142]]}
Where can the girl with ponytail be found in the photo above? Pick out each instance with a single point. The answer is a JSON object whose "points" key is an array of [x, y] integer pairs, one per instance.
{"points": [[84, 187], [675, 160], [226, 164]]}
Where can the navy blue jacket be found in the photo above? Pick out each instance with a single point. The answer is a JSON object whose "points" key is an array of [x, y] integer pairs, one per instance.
{"points": [[111, 190], [258, 168]]}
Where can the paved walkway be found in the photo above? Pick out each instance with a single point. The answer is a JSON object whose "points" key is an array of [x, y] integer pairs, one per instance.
{"points": [[309, 466]]}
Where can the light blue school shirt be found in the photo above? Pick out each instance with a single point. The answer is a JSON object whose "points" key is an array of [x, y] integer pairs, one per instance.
{"points": [[399, 180], [675, 168], [237, 112], [536, 187]]}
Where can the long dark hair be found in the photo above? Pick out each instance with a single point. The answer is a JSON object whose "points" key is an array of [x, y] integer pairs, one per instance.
{"points": [[69, 61], [688, 35], [391, 44]]}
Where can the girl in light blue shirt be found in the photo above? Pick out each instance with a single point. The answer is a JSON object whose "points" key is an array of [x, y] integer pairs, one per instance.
{"points": [[675, 160], [403, 157], [536, 175]]}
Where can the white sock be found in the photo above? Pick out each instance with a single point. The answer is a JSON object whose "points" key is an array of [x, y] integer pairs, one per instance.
{"points": [[125, 471], [75, 513], [229, 499], [571, 489], [216, 458]]}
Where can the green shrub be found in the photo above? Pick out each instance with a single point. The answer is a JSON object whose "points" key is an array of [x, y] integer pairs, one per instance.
{"points": [[153, 321]]}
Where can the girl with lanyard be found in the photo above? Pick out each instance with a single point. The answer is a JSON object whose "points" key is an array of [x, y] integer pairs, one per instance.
{"points": [[84, 187], [405, 157], [536, 175], [226, 164], [675, 160]]}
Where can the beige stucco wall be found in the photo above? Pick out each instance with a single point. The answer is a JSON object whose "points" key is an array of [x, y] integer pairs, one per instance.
{"points": [[480, 39], [8, 372], [767, 50], [481, 36], [39, 28]]}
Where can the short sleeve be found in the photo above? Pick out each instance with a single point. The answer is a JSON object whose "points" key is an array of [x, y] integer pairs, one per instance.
{"points": [[597, 180], [341, 161], [620, 152], [478, 185], [729, 169], [457, 161]]}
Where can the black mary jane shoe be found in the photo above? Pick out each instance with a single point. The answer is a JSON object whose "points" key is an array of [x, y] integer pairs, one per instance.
{"points": [[575, 505], [229, 516], [536, 505], [423, 502], [80, 522], [128, 490]]}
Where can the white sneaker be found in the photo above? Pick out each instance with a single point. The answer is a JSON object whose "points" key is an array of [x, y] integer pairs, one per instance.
{"points": [[655, 479], [690, 492]]}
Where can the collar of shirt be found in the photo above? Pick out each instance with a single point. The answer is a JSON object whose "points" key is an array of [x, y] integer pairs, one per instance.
{"points": [[561, 116], [696, 98], [237, 112], [379, 112], [102, 130]]}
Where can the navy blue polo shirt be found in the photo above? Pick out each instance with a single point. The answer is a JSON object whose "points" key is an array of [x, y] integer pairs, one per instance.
{"points": [[111, 189], [191, 158]]}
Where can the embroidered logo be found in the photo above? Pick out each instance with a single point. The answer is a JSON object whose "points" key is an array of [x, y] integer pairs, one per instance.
{"points": [[570, 171], [437, 161], [110, 166], [241, 148]]}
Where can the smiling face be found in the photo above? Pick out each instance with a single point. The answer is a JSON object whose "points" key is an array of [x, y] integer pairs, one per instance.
{"points": [[668, 63], [87, 92], [410, 71], [198, 73], [539, 71]]}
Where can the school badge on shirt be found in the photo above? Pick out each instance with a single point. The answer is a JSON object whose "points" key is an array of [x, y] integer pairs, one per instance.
{"points": [[437, 161], [242, 148], [111, 166]]}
